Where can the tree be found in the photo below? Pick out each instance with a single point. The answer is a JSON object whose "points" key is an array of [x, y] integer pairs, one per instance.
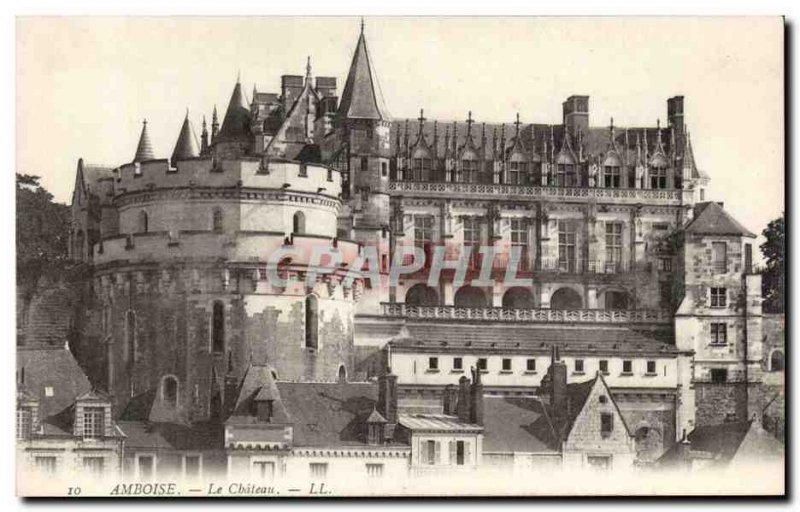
{"points": [[773, 278], [42, 234]]}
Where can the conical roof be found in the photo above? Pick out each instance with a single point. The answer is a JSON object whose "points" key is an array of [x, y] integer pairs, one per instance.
{"points": [[362, 98], [711, 219], [186, 146], [144, 151], [236, 124]]}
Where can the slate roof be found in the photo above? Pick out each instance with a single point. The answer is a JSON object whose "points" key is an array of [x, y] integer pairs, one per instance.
{"points": [[517, 424], [171, 436], [258, 383], [236, 124], [328, 414], [362, 98], [711, 219], [54, 367], [144, 150], [741, 440], [437, 337], [49, 315], [186, 146]]}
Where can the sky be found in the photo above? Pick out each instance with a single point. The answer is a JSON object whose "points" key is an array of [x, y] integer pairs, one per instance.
{"points": [[84, 84]]}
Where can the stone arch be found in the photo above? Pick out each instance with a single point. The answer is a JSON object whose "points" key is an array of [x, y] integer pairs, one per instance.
{"points": [[470, 297], [170, 390], [299, 223], [144, 222], [518, 297], [566, 298], [312, 322], [777, 361], [422, 295]]}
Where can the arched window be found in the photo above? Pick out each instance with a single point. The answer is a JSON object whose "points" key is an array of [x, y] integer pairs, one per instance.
{"points": [[612, 174], [143, 222], [470, 297], [218, 327], [469, 168], [299, 223], [342, 378], [517, 171], [130, 336], [169, 390], [776, 363], [216, 220], [518, 298], [421, 166], [566, 298], [658, 172], [421, 295], [312, 321]]}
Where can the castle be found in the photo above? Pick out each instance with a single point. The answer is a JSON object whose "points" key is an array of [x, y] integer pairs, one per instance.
{"points": [[626, 267]]}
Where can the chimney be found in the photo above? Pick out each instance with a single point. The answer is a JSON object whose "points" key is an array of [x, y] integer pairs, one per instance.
{"points": [[476, 398], [558, 383], [450, 400], [576, 114], [291, 87], [675, 116], [387, 396], [325, 86], [463, 405]]}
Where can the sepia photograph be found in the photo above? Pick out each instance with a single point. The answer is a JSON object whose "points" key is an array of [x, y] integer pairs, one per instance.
{"points": [[275, 257]]}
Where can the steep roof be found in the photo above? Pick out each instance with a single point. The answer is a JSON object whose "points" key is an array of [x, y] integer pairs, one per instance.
{"points": [[186, 145], [711, 219], [236, 124], [258, 384], [51, 367], [533, 339], [517, 424], [362, 98], [144, 151], [49, 315], [329, 414], [170, 436]]}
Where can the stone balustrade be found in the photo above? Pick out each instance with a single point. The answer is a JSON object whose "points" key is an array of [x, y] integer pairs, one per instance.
{"points": [[498, 314]]}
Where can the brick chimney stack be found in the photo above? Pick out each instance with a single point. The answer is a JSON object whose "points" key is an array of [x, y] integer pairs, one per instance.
{"points": [[463, 406], [476, 398], [558, 383], [450, 400]]}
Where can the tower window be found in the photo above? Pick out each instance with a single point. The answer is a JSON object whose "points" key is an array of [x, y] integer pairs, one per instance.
{"points": [[719, 334], [604, 366], [719, 257], [506, 365], [612, 176], [718, 297], [216, 221], [218, 327], [579, 366], [143, 222], [530, 365], [719, 375], [299, 223], [169, 391], [312, 322]]}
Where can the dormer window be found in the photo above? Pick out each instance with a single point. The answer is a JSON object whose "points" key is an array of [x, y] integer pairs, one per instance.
{"points": [[263, 410], [469, 168], [612, 177], [565, 175], [517, 172], [24, 422], [93, 421], [658, 176]]}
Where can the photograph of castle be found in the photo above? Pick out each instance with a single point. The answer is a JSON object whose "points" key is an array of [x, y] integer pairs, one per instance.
{"points": [[296, 292]]}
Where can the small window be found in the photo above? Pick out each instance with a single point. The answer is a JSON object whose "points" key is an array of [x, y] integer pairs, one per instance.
{"points": [[718, 297], [660, 226], [460, 455], [93, 421], [776, 362], [218, 327], [627, 366], [719, 334], [606, 423], [579, 366], [216, 220], [384, 169], [48, 391], [651, 367], [374, 470], [719, 375], [431, 452], [299, 223], [506, 365], [458, 363], [602, 399], [530, 365], [169, 391], [665, 264], [318, 469], [604, 366], [719, 256], [482, 364], [433, 363], [143, 222]]}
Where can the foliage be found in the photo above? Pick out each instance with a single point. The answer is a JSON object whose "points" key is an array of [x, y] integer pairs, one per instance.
{"points": [[773, 278]]}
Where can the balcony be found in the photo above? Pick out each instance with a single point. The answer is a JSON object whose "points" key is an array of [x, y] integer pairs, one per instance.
{"points": [[672, 197], [498, 314]]}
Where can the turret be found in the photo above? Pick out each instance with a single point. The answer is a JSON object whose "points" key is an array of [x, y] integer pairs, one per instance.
{"points": [[234, 138], [144, 151], [186, 145]]}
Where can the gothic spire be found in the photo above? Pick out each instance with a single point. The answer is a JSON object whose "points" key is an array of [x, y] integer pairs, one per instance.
{"points": [[204, 138], [144, 151], [362, 98]]}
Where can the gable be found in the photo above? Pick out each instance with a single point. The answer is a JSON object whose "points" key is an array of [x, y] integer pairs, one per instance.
{"points": [[586, 433]]}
